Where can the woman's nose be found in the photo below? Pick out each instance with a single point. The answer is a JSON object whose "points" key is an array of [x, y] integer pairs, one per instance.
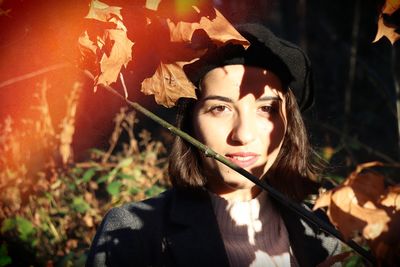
{"points": [[244, 130]]}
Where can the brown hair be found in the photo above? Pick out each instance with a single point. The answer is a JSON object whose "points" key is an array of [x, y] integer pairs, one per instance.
{"points": [[290, 172]]}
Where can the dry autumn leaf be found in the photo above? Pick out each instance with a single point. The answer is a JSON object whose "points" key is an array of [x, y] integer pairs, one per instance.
{"points": [[219, 30], [392, 198], [87, 45], [106, 51], [363, 205], [385, 28], [114, 58], [103, 12], [168, 84], [174, 34]]}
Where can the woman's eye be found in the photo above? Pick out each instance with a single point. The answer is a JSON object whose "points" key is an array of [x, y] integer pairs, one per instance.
{"points": [[267, 109], [218, 109]]}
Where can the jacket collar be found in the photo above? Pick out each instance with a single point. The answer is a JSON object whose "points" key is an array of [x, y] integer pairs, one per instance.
{"points": [[194, 239], [193, 235]]}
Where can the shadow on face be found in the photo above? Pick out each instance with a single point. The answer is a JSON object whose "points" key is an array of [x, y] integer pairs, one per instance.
{"points": [[240, 113]]}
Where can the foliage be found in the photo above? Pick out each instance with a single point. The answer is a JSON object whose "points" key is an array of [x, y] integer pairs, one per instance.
{"points": [[185, 31], [49, 215], [387, 25], [362, 205]]}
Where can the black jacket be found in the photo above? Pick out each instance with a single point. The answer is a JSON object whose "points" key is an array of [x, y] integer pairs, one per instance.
{"points": [[179, 228]]}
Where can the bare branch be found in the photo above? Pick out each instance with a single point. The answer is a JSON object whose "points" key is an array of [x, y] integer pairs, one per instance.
{"points": [[33, 74]]}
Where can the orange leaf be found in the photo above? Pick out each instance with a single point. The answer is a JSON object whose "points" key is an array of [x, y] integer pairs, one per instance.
{"points": [[366, 165], [386, 247], [115, 57], [367, 186], [385, 28], [346, 213], [152, 4], [390, 6], [86, 45], [175, 33], [168, 84], [362, 204], [219, 30], [389, 31], [103, 12], [392, 198], [323, 200]]}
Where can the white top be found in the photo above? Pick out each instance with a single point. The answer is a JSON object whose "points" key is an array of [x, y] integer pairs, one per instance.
{"points": [[253, 232]]}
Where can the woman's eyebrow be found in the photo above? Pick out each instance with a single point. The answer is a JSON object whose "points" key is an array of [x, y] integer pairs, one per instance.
{"points": [[229, 100], [218, 97], [268, 98]]}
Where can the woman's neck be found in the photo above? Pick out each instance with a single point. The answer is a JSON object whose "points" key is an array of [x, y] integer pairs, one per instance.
{"points": [[234, 195]]}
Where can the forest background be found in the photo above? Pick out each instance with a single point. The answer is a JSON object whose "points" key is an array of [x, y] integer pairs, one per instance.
{"points": [[68, 154]]}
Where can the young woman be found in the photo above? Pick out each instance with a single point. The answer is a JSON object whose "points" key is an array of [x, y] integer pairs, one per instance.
{"points": [[248, 111]]}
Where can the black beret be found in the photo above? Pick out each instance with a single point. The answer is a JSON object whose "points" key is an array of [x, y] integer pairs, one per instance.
{"points": [[267, 51]]}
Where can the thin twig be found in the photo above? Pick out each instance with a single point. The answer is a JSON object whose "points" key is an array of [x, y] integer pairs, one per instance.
{"points": [[33, 74]]}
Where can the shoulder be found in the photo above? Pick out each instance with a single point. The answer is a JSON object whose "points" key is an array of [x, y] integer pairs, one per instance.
{"points": [[132, 215], [132, 231]]}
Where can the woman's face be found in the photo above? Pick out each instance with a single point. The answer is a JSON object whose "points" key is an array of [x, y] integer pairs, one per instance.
{"points": [[241, 115]]}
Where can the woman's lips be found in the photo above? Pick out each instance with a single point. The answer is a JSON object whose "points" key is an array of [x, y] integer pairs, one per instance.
{"points": [[243, 159]]}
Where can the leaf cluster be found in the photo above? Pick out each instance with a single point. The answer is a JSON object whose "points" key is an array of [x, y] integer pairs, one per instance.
{"points": [[152, 41], [363, 207]]}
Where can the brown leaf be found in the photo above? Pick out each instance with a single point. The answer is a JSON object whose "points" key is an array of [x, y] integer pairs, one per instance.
{"points": [[392, 198], [386, 247], [189, 27], [390, 6], [106, 48], [353, 207], [168, 84], [103, 12], [346, 213], [86, 45], [366, 165], [152, 4], [219, 30], [323, 200], [362, 205], [188, 10], [367, 186], [385, 28], [115, 57]]}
